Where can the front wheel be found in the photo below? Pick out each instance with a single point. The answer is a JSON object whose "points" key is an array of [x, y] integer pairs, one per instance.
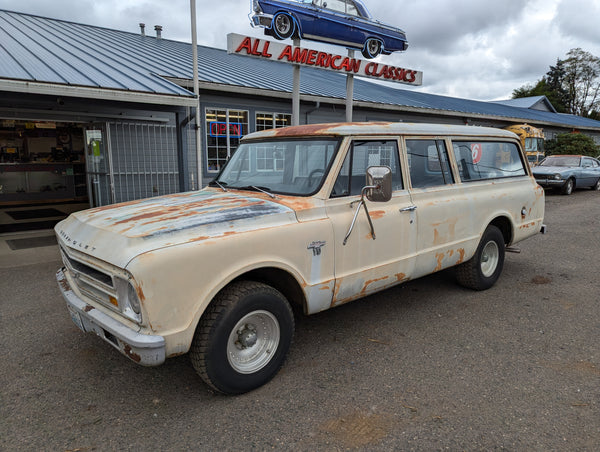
{"points": [[596, 186], [568, 187], [243, 337], [483, 269]]}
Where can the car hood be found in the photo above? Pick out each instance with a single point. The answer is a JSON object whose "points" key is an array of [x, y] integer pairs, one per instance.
{"points": [[545, 170], [119, 232]]}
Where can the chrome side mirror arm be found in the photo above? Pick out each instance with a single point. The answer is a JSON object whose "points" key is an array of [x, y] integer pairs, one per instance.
{"points": [[362, 203]]}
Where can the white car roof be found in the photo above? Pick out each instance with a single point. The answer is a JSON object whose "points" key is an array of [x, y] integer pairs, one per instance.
{"points": [[380, 128]]}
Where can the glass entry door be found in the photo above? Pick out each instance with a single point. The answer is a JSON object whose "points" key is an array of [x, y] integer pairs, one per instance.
{"points": [[98, 166]]}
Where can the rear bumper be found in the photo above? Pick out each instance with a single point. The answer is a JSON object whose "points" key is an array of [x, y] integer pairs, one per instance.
{"points": [[144, 349]]}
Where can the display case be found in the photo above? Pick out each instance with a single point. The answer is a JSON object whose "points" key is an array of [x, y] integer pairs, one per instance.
{"points": [[42, 181], [41, 162]]}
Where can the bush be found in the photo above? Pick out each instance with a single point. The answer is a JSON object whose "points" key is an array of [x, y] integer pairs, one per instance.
{"points": [[573, 144]]}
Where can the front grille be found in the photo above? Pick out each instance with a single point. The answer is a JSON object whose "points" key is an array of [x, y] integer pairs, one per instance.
{"points": [[81, 268]]}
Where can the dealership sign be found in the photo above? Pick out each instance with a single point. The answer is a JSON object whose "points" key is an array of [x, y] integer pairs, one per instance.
{"points": [[286, 53]]}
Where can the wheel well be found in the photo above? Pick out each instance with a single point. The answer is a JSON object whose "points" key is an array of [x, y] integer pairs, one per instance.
{"points": [[280, 280], [505, 227]]}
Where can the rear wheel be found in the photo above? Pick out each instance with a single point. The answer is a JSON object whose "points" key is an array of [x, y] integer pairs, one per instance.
{"points": [[568, 187], [483, 269], [372, 48], [243, 337]]}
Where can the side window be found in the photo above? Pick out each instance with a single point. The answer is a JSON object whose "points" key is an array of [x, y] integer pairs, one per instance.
{"points": [[428, 163], [361, 155], [478, 160]]}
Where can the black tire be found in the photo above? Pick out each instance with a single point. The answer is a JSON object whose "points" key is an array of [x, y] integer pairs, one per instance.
{"points": [[372, 48], [567, 189], [483, 270], [596, 186], [231, 349], [282, 26]]}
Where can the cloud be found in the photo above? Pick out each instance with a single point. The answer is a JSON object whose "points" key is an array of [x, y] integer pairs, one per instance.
{"points": [[579, 20]]}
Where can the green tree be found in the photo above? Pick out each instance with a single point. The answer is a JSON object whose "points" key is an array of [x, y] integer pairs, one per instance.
{"points": [[572, 85], [572, 144], [582, 82]]}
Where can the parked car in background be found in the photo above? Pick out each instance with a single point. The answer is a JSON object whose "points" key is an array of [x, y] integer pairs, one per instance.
{"points": [[567, 172], [342, 22]]}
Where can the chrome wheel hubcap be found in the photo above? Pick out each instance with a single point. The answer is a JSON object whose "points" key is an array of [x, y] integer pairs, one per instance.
{"points": [[489, 259], [253, 342]]}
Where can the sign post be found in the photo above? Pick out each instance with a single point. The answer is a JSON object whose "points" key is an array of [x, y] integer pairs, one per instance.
{"points": [[349, 90], [296, 91]]}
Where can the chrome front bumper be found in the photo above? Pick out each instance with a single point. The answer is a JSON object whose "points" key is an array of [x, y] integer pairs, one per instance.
{"points": [[261, 20], [144, 349]]}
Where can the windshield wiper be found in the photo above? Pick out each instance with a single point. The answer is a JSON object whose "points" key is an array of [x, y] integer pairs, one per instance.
{"points": [[216, 182], [260, 189]]}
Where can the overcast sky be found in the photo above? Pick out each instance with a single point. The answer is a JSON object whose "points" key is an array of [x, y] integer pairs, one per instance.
{"points": [[475, 49]]}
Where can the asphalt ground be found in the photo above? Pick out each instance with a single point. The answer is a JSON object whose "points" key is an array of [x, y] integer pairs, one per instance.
{"points": [[425, 366]]}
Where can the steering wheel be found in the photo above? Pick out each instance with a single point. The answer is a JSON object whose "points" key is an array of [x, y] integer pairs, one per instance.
{"points": [[313, 173]]}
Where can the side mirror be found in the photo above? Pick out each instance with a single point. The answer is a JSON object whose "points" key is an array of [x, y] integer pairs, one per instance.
{"points": [[379, 177]]}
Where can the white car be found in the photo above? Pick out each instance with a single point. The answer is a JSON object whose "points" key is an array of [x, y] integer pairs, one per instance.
{"points": [[310, 216]]}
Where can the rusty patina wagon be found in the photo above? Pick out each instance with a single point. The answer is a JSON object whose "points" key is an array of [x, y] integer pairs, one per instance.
{"points": [[308, 216]]}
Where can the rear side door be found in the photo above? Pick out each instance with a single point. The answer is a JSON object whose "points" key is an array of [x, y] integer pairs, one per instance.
{"points": [[442, 211], [366, 264]]}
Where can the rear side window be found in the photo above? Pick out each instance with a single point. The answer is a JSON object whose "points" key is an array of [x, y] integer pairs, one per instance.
{"points": [[428, 163], [478, 160]]}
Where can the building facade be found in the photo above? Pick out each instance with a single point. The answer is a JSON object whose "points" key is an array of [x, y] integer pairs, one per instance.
{"points": [[100, 116]]}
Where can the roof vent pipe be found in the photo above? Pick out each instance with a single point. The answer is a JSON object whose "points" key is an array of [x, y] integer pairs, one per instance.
{"points": [[158, 29], [143, 29]]}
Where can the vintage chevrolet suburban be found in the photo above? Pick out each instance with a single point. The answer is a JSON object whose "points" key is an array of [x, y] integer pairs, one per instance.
{"points": [[310, 216]]}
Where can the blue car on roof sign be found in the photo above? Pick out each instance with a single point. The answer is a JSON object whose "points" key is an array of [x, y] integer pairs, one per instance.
{"points": [[342, 22]]}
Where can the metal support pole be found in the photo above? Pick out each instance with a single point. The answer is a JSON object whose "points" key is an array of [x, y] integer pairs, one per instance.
{"points": [[296, 90], [199, 155], [349, 90]]}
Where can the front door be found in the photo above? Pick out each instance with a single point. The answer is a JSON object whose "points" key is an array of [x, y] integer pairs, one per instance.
{"points": [[366, 264]]}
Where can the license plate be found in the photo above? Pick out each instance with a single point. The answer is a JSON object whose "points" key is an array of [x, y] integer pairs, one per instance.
{"points": [[76, 319]]}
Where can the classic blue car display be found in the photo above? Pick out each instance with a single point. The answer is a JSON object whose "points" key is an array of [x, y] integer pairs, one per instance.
{"points": [[342, 22], [567, 172]]}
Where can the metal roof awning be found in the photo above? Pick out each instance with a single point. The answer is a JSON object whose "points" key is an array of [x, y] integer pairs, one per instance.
{"points": [[86, 92]]}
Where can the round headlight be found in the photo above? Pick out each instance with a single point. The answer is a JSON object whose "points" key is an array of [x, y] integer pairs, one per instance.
{"points": [[132, 297], [557, 176]]}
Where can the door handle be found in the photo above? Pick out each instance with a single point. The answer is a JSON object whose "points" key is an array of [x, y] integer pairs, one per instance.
{"points": [[408, 209]]}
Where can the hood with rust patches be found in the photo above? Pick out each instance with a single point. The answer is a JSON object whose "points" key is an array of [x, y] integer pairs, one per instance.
{"points": [[117, 233]]}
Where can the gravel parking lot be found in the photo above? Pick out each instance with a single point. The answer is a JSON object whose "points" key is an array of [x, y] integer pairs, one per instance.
{"points": [[425, 366]]}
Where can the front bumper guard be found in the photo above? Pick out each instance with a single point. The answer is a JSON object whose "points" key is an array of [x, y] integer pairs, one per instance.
{"points": [[144, 349]]}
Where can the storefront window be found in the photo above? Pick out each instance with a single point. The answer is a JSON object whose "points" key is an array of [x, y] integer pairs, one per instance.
{"points": [[266, 121], [40, 161], [224, 129]]}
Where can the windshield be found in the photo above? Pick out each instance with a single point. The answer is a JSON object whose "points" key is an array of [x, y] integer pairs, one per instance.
{"points": [[290, 166], [534, 144], [560, 161]]}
